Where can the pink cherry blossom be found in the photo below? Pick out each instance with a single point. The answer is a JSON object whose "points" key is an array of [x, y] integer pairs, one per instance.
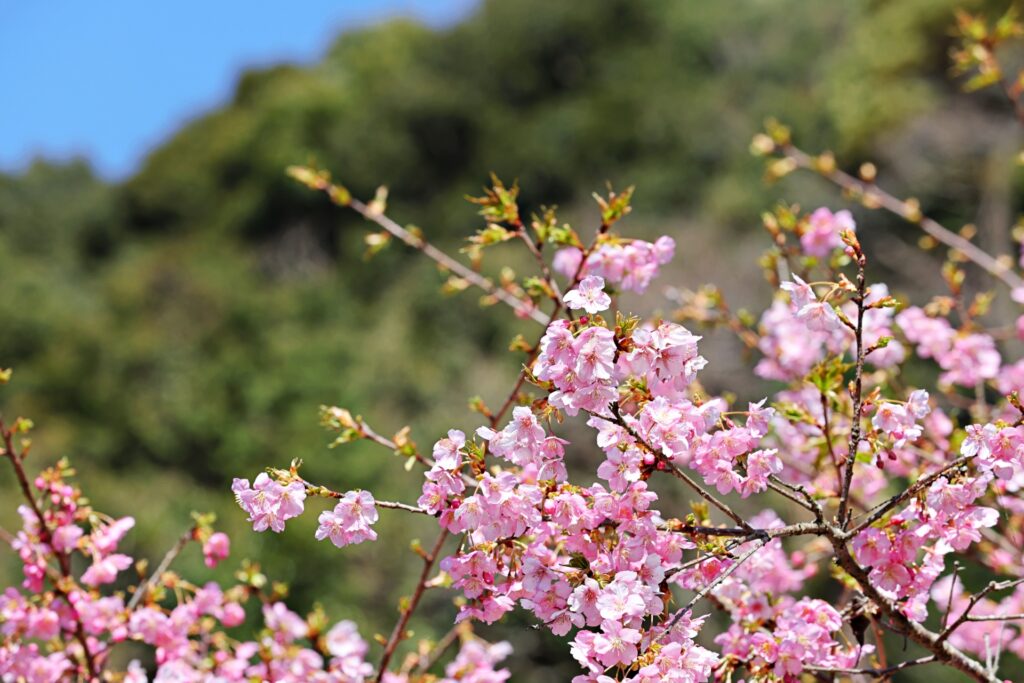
{"points": [[822, 233], [630, 265], [216, 549], [589, 295], [105, 570], [350, 520]]}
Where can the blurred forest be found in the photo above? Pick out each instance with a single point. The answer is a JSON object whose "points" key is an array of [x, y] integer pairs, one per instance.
{"points": [[181, 328]]}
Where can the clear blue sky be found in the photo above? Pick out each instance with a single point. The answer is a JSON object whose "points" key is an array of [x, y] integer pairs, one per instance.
{"points": [[111, 78]]}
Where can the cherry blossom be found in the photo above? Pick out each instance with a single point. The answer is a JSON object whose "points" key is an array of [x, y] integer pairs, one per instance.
{"points": [[350, 521], [589, 295], [885, 485]]}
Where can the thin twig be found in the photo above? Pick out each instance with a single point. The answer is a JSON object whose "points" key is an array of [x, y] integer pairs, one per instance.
{"points": [[555, 313], [324, 492], [843, 515], [703, 558], [391, 505], [427, 661], [798, 495], [169, 557], [556, 292], [826, 429], [879, 511], [973, 602], [726, 510], [341, 197], [708, 588], [369, 433], [718, 579], [952, 591], [877, 673], [495, 418], [428, 462], [445, 261], [800, 529], [398, 633]]}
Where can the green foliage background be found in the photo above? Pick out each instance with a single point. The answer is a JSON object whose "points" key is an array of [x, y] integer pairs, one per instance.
{"points": [[180, 328]]}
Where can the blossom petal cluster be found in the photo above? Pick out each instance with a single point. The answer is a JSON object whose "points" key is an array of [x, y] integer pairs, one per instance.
{"points": [[822, 232], [891, 481], [630, 265], [350, 521], [199, 635], [801, 333], [269, 502]]}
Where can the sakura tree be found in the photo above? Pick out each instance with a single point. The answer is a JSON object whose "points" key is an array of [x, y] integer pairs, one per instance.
{"points": [[894, 496], [887, 493]]}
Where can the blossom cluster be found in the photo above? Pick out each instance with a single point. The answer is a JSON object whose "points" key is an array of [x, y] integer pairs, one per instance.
{"points": [[629, 265], [965, 358], [886, 482], [800, 333], [269, 502], [601, 564], [202, 635]]}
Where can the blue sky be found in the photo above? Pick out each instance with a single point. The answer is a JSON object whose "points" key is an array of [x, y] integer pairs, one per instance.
{"points": [[110, 79]]}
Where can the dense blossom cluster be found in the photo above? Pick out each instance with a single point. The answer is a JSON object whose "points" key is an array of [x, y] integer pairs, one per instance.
{"points": [[885, 482], [269, 503], [187, 634], [965, 358], [597, 563], [800, 333], [629, 265], [946, 521]]}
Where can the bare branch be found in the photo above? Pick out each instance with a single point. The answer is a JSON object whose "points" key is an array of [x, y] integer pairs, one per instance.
{"points": [[877, 673], [398, 633], [447, 262], [992, 587], [168, 558]]}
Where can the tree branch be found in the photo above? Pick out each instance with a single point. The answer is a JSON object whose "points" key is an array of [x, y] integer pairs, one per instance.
{"points": [[909, 212], [169, 557], [973, 602], [708, 588], [879, 511], [876, 673], [931, 641], [843, 515], [398, 633]]}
